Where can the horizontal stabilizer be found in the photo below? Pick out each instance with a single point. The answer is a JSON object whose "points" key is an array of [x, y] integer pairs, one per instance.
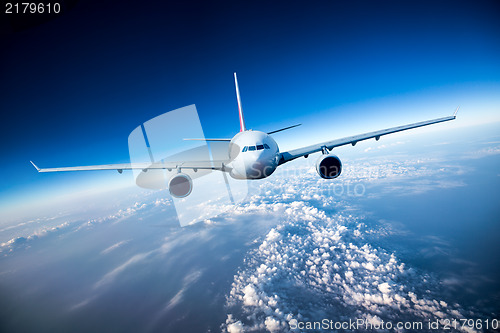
{"points": [[282, 129], [207, 139]]}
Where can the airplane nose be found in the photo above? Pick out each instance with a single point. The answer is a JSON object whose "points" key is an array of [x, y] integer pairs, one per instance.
{"points": [[263, 166]]}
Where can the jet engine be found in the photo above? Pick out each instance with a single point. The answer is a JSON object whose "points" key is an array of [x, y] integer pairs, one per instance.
{"points": [[329, 166], [180, 185]]}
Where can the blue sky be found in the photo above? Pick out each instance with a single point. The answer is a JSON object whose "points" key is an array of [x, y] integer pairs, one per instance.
{"points": [[74, 87]]}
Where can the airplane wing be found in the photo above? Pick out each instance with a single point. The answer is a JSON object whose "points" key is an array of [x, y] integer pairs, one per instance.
{"points": [[206, 165], [295, 153]]}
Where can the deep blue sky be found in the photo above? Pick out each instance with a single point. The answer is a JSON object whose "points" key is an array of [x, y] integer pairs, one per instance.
{"points": [[73, 88]]}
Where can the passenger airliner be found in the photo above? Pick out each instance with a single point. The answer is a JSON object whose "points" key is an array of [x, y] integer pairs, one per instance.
{"points": [[250, 155]]}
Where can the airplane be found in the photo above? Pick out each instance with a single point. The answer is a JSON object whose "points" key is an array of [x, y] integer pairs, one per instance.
{"points": [[251, 154]]}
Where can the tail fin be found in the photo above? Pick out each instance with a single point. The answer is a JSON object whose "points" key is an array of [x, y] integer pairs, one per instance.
{"points": [[242, 120]]}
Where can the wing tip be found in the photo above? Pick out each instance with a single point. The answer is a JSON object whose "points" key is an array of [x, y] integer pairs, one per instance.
{"points": [[37, 168], [455, 113]]}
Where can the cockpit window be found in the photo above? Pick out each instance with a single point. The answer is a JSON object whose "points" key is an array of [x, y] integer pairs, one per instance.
{"points": [[253, 148]]}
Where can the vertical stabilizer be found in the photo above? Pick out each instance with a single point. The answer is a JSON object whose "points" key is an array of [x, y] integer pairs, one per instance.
{"points": [[242, 120]]}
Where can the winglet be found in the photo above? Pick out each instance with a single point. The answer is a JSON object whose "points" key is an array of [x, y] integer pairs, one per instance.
{"points": [[37, 168], [455, 113]]}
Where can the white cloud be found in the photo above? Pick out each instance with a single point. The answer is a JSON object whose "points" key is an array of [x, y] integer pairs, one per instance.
{"points": [[319, 256], [484, 152], [272, 324], [187, 282], [113, 247], [113, 274], [233, 327], [174, 300], [384, 288]]}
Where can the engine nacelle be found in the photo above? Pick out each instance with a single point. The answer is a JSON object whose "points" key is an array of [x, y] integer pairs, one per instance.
{"points": [[180, 185], [329, 166]]}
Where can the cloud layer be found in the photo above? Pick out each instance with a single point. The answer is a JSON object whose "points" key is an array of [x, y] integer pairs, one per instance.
{"points": [[305, 252], [318, 265], [323, 261]]}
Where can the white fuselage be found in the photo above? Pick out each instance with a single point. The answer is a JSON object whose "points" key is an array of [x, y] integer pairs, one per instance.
{"points": [[254, 155]]}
